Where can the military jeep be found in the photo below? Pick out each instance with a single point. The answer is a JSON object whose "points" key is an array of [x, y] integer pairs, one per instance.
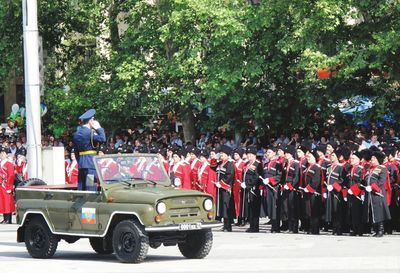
{"points": [[136, 206]]}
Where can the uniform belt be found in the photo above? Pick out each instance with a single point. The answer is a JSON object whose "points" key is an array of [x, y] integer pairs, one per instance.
{"points": [[90, 152]]}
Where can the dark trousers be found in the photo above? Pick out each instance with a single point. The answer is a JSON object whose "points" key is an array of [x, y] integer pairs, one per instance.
{"points": [[254, 213], [83, 181]]}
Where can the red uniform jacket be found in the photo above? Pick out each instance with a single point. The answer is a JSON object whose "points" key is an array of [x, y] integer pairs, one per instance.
{"points": [[72, 172], [180, 170], [21, 168], [208, 178], [239, 167], [195, 165], [7, 176]]}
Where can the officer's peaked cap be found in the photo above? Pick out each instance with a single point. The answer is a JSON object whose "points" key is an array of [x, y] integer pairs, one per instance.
{"points": [[87, 115]]}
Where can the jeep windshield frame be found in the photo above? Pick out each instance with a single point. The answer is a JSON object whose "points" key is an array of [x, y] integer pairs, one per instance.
{"points": [[131, 169]]}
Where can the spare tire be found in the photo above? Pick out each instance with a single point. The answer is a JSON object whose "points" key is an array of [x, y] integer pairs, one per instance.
{"points": [[34, 182]]}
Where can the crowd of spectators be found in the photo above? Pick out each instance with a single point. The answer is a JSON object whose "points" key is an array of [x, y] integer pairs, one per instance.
{"points": [[141, 140]]}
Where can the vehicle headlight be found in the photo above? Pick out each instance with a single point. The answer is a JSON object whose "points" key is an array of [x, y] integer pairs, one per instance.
{"points": [[161, 208], [208, 204]]}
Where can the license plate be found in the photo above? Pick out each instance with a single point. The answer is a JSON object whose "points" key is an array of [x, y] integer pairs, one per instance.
{"points": [[189, 226]]}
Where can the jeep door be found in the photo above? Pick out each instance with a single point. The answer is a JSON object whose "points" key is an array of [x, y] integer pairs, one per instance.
{"points": [[84, 212]]}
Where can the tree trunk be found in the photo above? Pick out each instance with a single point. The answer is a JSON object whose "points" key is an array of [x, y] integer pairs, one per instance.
{"points": [[189, 131]]}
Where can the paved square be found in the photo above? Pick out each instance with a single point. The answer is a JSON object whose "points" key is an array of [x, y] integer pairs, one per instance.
{"points": [[232, 252]]}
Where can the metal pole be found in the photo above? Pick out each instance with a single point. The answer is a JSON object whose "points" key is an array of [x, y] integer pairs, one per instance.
{"points": [[32, 88]]}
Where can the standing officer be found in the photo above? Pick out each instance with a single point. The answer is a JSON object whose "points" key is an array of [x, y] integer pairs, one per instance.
{"points": [[272, 179], [225, 177], [290, 195], [251, 200], [334, 181], [84, 141], [375, 208]]}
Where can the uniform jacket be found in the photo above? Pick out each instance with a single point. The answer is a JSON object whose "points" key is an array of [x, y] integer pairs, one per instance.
{"points": [[83, 139]]}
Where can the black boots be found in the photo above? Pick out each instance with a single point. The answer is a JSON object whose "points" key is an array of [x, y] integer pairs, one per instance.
{"points": [[227, 225], [284, 226], [379, 229], [293, 226], [6, 218]]}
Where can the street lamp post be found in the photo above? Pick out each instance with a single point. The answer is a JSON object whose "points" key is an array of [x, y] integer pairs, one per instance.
{"points": [[32, 87]]}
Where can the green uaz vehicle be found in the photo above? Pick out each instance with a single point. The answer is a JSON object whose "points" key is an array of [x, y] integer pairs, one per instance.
{"points": [[136, 206]]}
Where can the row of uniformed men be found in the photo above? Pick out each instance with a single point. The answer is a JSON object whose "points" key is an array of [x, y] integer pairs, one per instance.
{"points": [[330, 187]]}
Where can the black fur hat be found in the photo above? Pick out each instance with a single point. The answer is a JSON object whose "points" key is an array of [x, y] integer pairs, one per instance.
{"points": [[379, 156]]}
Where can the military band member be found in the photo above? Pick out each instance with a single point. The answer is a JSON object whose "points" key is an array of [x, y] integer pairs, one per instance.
{"points": [[290, 194], [375, 208], [251, 202], [272, 175], [225, 177]]}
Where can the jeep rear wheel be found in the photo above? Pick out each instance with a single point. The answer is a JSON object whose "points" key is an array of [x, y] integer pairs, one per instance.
{"points": [[100, 246], [130, 243], [39, 240], [198, 244]]}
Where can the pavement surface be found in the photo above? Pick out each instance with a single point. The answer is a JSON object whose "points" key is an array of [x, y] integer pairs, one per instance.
{"points": [[235, 251]]}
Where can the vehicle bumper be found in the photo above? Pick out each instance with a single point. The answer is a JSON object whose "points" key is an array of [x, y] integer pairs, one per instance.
{"points": [[179, 228]]}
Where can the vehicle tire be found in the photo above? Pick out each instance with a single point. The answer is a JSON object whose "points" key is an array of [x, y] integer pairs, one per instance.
{"points": [[34, 182], [198, 244], [99, 246], [130, 242], [39, 240]]}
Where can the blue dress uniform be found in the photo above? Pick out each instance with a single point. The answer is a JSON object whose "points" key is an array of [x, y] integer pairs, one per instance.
{"points": [[84, 140]]}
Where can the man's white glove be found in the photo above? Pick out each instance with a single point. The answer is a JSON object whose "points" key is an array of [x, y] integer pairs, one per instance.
{"points": [[345, 199], [266, 181], [368, 188], [286, 187], [362, 198], [306, 190], [96, 125], [243, 185], [350, 192], [177, 182], [330, 187], [218, 185], [325, 195]]}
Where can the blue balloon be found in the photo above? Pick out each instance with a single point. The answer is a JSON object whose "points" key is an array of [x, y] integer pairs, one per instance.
{"points": [[43, 109]]}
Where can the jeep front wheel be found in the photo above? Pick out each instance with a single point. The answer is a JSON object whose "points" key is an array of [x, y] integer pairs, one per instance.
{"points": [[39, 240], [197, 245], [130, 243]]}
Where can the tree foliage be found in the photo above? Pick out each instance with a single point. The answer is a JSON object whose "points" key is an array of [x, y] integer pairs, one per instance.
{"points": [[245, 62]]}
